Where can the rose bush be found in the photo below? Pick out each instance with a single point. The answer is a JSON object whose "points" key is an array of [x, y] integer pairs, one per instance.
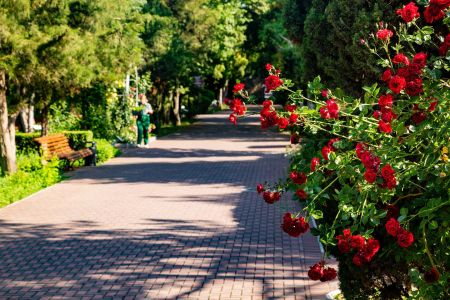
{"points": [[374, 171]]}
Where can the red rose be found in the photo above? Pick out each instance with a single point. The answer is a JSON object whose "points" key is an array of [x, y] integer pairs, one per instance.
{"points": [[333, 108], [377, 114], [331, 143], [290, 107], [272, 82], [420, 59], [386, 75], [392, 211], [361, 148], [267, 103], [404, 238], [233, 119], [388, 116], [392, 226], [328, 274], [283, 123], [433, 12], [269, 67], [344, 246], [260, 188], [415, 87], [357, 242], [301, 194], [295, 139], [370, 176], [384, 34], [418, 117], [238, 87], [442, 4], [293, 118], [384, 127], [432, 106], [390, 183], [431, 275], [271, 197], [400, 59], [357, 260], [314, 162], [409, 12], [397, 84], [294, 226], [386, 101], [326, 152], [372, 247], [387, 171], [315, 272], [298, 178], [324, 93], [443, 49]]}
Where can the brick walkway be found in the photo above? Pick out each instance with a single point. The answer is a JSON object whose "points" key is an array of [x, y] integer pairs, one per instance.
{"points": [[178, 221]]}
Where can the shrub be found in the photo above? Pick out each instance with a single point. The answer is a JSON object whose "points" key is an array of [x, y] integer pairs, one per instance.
{"points": [[105, 151], [374, 171], [25, 141], [31, 177], [79, 139]]}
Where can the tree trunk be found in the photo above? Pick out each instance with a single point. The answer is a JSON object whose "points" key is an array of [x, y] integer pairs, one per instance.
{"points": [[26, 117], [7, 132], [44, 131], [176, 107], [167, 108]]}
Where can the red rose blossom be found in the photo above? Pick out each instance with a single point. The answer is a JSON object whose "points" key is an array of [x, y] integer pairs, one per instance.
{"points": [[420, 59], [238, 87], [271, 197], [409, 12], [295, 139], [233, 119], [326, 152], [272, 82], [269, 67], [400, 59], [298, 178], [290, 107], [415, 87], [404, 238], [431, 275], [324, 93], [387, 74], [314, 162], [315, 272], [328, 274], [357, 242], [385, 101], [384, 127], [384, 34], [301, 194], [418, 117], [392, 211], [432, 106], [293, 118], [434, 11], [397, 84], [358, 260], [267, 103], [294, 226], [370, 176], [260, 188], [387, 171], [392, 227], [283, 123]]}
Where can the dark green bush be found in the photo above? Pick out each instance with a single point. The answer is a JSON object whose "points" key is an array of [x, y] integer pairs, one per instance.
{"points": [[25, 142], [105, 151], [79, 139]]}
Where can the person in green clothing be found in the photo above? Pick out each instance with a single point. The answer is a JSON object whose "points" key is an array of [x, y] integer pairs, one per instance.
{"points": [[143, 120]]}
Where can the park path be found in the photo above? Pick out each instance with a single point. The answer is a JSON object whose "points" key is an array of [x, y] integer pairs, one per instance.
{"points": [[178, 221]]}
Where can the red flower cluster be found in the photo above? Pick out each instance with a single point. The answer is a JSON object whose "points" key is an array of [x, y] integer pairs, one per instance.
{"points": [[400, 58], [271, 197], [385, 115], [443, 49], [419, 115], [272, 82], [435, 11], [238, 87], [330, 111], [409, 12], [319, 272], [370, 161], [301, 194], [365, 249], [283, 123], [260, 188], [294, 226], [233, 119], [238, 107], [404, 237], [314, 162], [269, 67], [298, 178], [290, 107], [388, 174], [384, 34], [269, 116]]}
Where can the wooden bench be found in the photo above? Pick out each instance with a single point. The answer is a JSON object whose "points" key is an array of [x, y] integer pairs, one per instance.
{"points": [[57, 145]]}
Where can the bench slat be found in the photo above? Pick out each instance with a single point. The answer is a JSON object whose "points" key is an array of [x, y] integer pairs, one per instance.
{"points": [[58, 145]]}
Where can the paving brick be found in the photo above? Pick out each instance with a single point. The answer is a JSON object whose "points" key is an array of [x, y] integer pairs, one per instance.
{"points": [[180, 220]]}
